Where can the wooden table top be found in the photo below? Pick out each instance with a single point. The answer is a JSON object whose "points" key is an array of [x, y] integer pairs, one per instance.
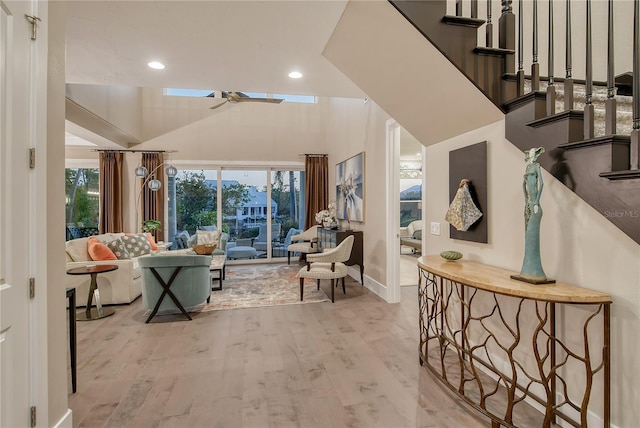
{"points": [[498, 280], [86, 270]]}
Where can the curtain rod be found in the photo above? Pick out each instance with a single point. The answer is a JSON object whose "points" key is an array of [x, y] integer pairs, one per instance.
{"points": [[133, 151], [312, 154]]}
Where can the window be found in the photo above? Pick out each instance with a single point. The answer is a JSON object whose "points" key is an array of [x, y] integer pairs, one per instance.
{"points": [[195, 200], [308, 99], [82, 193], [177, 92], [255, 207], [410, 201]]}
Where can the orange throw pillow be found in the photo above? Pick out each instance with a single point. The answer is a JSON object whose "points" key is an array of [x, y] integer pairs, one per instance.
{"points": [[99, 251], [152, 241]]}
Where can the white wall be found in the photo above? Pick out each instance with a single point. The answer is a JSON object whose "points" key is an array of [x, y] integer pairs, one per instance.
{"points": [[121, 106], [578, 246]]}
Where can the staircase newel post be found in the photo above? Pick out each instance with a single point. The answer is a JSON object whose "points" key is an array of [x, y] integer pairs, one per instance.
{"points": [[635, 133], [520, 50], [507, 35], [551, 89], [568, 80], [535, 67], [489, 27], [588, 108], [610, 104]]}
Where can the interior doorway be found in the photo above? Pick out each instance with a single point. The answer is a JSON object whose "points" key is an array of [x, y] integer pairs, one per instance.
{"points": [[404, 219], [410, 196]]}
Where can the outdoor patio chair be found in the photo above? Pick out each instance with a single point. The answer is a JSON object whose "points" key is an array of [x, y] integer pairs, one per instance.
{"points": [[260, 242], [328, 265]]}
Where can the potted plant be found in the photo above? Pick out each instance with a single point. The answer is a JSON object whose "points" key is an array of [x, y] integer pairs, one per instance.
{"points": [[151, 225]]}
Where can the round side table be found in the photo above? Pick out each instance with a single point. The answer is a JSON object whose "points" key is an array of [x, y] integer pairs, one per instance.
{"points": [[98, 312]]}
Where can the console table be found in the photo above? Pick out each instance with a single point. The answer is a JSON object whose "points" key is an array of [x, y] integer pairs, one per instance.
{"points": [[330, 238], [498, 343]]}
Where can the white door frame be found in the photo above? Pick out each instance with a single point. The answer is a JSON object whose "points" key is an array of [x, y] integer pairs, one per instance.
{"points": [[24, 352], [393, 211]]}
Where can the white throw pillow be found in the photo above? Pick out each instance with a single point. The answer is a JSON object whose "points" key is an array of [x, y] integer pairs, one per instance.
{"points": [[206, 237]]}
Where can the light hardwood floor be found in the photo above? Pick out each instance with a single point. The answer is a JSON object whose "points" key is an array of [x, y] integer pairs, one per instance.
{"points": [[353, 363]]}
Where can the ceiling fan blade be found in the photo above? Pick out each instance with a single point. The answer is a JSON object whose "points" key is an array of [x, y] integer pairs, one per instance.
{"points": [[219, 105], [260, 100]]}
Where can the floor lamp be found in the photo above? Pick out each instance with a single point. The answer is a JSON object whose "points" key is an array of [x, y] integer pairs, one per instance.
{"points": [[153, 184]]}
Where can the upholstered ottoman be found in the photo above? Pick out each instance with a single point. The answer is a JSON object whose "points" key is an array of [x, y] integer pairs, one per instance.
{"points": [[241, 252]]}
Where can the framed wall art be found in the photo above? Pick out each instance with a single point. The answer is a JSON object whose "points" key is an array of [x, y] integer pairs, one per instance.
{"points": [[350, 188]]}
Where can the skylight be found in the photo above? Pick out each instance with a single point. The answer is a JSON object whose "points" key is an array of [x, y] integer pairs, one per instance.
{"points": [[178, 92]]}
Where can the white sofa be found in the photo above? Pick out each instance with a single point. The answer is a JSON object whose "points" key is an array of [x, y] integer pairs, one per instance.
{"points": [[123, 285]]}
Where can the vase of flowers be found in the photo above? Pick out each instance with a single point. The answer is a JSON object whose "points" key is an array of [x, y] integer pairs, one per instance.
{"points": [[327, 217]]}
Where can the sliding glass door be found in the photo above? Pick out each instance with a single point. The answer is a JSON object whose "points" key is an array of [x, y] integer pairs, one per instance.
{"points": [[258, 208]]}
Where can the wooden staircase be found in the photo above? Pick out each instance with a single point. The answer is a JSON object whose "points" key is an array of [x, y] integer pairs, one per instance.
{"points": [[596, 169]]}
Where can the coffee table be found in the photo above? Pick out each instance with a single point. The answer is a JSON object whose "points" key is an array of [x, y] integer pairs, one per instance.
{"points": [[99, 312], [218, 265]]}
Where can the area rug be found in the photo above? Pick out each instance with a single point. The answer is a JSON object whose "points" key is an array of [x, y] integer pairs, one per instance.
{"points": [[258, 285]]}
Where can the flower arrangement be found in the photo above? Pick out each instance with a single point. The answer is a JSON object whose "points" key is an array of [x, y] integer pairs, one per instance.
{"points": [[327, 216]]}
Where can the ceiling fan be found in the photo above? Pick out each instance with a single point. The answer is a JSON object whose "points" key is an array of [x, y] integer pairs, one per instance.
{"points": [[238, 97]]}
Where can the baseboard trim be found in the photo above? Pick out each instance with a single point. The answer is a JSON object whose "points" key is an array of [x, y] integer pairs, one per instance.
{"points": [[374, 286], [66, 421]]}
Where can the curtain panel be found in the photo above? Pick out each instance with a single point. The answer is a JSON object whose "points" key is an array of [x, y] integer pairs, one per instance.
{"points": [[111, 198], [153, 202], [317, 187]]}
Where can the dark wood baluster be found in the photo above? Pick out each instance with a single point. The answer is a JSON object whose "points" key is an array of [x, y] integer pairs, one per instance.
{"points": [[551, 89], [588, 108], [520, 50], [568, 80], [458, 7], [535, 67], [610, 104], [507, 35], [474, 8], [489, 28], [635, 133]]}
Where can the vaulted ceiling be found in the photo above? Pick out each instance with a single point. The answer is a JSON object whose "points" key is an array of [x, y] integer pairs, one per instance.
{"points": [[227, 45]]}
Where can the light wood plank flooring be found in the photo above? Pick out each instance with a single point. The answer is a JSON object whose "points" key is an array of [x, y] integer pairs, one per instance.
{"points": [[353, 363]]}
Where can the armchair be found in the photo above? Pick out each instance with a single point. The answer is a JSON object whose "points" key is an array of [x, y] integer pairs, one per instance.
{"points": [[222, 242], [328, 265], [304, 243], [184, 278]]}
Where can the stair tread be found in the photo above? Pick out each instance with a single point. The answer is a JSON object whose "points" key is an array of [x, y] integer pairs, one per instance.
{"points": [[567, 114], [517, 102], [493, 51], [463, 21], [628, 174], [606, 139]]}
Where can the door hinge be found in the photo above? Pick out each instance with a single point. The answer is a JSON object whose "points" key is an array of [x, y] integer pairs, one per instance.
{"points": [[32, 158], [33, 416], [32, 288]]}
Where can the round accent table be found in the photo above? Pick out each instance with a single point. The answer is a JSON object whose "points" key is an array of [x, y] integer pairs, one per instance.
{"points": [[98, 312]]}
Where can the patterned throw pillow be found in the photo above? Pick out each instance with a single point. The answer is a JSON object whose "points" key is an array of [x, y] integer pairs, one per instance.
{"points": [[206, 237], [136, 245], [118, 248]]}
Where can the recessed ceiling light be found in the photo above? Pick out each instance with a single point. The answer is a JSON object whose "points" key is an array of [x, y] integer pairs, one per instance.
{"points": [[295, 75], [418, 153], [156, 65]]}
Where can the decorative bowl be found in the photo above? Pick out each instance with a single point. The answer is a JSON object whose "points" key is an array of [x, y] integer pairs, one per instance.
{"points": [[451, 255]]}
